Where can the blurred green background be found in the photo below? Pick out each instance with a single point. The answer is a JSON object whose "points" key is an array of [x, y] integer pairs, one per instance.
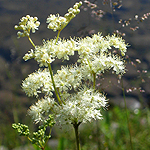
{"points": [[110, 133]]}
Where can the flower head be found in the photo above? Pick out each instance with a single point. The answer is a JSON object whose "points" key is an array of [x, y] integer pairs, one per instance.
{"points": [[39, 109], [26, 25], [96, 56], [38, 82], [49, 51], [57, 22], [82, 106]]}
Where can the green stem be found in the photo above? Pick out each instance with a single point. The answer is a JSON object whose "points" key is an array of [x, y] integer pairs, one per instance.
{"points": [[94, 82], [29, 139], [98, 135], [31, 41], [127, 114], [48, 139], [94, 75], [56, 92], [57, 36], [76, 128], [51, 73]]}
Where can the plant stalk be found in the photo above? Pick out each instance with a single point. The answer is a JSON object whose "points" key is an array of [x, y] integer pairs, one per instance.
{"points": [[51, 73], [57, 36], [76, 129], [56, 92], [127, 115], [31, 41]]}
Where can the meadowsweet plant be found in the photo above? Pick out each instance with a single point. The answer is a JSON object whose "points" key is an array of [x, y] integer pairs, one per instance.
{"points": [[70, 95]]}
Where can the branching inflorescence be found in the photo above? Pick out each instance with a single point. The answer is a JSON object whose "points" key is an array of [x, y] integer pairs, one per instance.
{"points": [[75, 101]]}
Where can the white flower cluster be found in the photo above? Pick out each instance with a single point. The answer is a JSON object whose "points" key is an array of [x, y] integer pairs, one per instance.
{"points": [[49, 51], [82, 106], [96, 57], [38, 82], [100, 64], [77, 99], [79, 104], [99, 44], [41, 108], [66, 79], [26, 25], [93, 52], [57, 22]]}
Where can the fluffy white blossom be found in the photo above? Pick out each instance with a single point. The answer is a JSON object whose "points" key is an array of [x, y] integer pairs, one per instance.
{"points": [[39, 111], [96, 56], [68, 78], [29, 55], [99, 44], [87, 48], [50, 50], [38, 82], [57, 22], [100, 63], [80, 103], [117, 42], [27, 24], [82, 106], [69, 94]]}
